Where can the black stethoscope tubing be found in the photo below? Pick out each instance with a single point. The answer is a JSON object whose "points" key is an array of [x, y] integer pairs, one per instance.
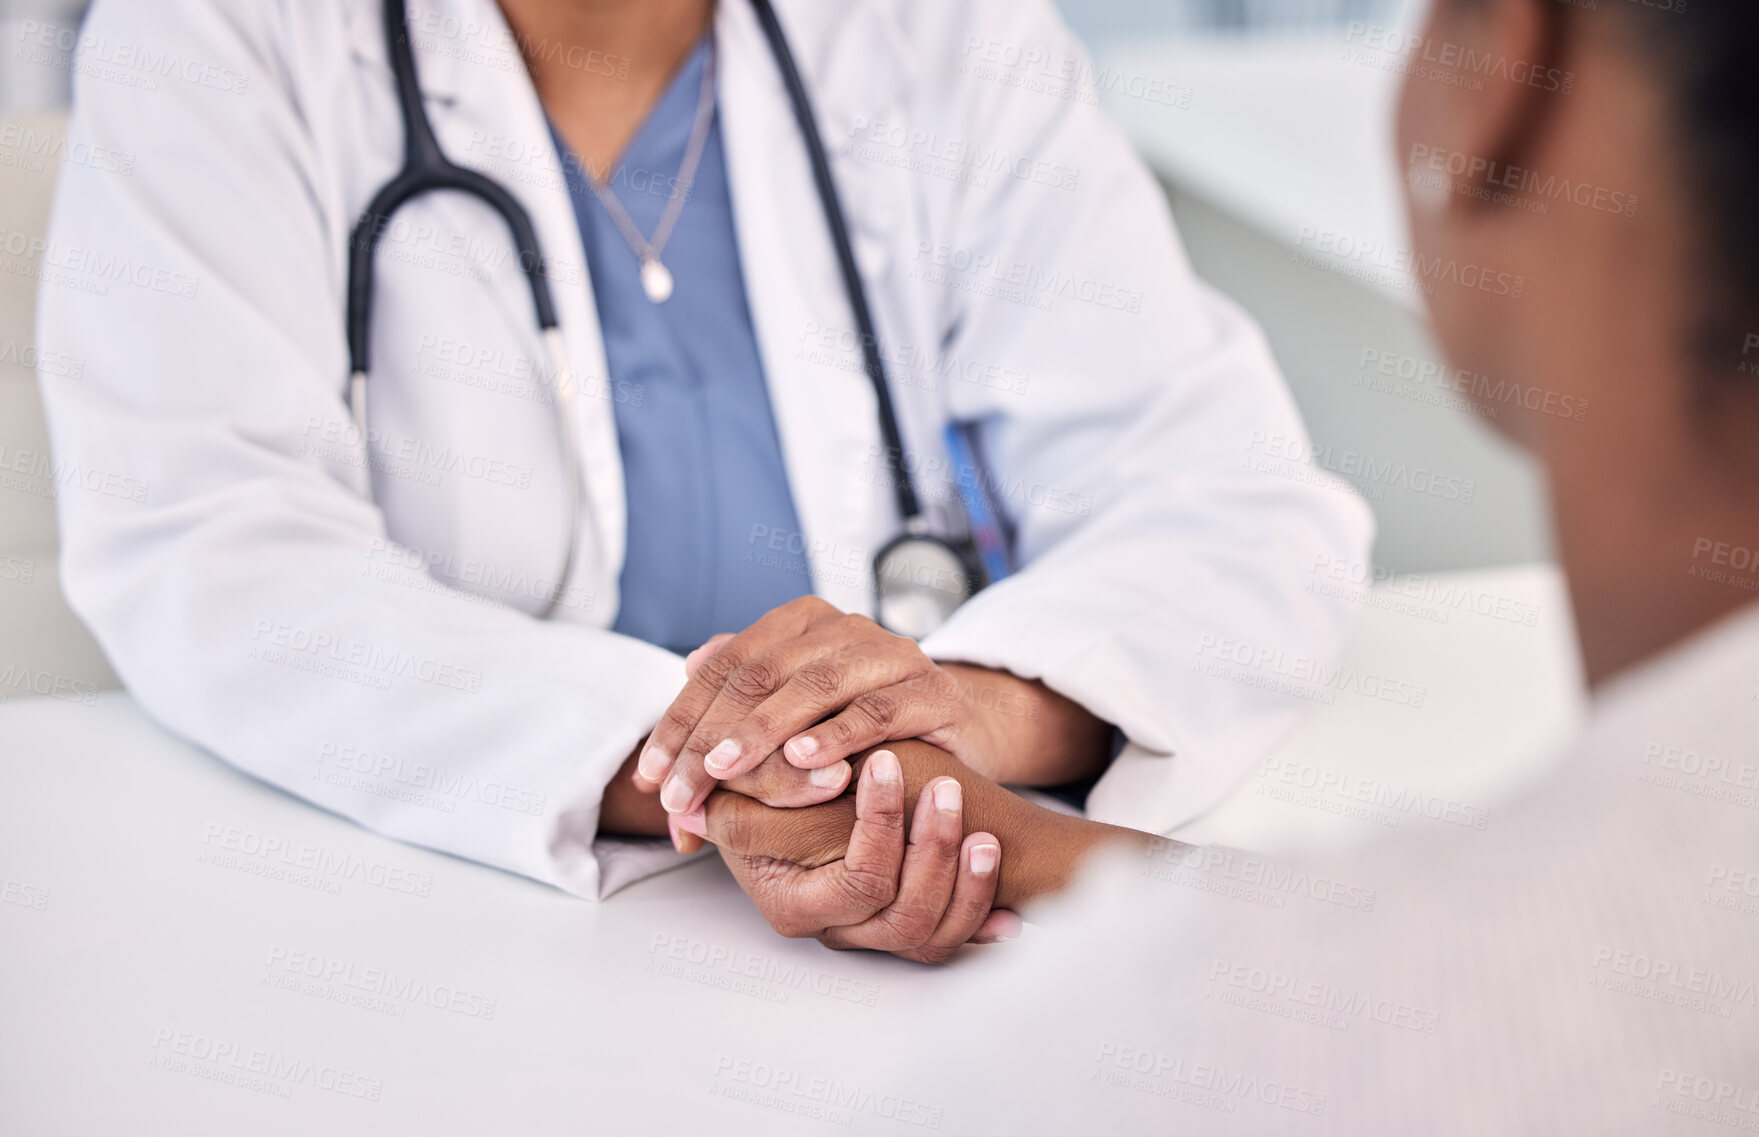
{"points": [[426, 169]]}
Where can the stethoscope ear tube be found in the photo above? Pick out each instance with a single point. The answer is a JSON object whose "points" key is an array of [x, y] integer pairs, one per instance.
{"points": [[902, 487], [919, 579], [425, 170]]}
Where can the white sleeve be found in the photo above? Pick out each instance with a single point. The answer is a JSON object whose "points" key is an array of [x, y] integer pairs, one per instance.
{"points": [[1150, 459], [1565, 972], [230, 572]]}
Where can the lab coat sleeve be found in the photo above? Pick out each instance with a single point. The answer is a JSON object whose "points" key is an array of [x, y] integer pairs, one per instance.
{"points": [[1167, 516], [233, 573]]}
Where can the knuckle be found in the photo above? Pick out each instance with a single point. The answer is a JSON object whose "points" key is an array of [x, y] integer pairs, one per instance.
{"points": [[933, 953], [733, 830], [911, 924], [699, 743], [719, 666], [871, 890], [882, 707], [839, 733], [764, 722], [887, 821], [820, 679], [675, 722], [776, 785], [756, 678], [943, 849], [810, 605]]}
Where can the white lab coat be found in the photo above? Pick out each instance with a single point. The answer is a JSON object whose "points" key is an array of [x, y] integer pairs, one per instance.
{"points": [[376, 653]]}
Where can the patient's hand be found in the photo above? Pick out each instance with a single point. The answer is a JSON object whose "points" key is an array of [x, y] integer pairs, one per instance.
{"points": [[852, 875]]}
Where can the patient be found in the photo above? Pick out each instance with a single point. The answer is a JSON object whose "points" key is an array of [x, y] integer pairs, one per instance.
{"points": [[1589, 963]]}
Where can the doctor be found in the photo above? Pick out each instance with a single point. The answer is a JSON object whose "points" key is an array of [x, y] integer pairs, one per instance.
{"points": [[451, 597]]}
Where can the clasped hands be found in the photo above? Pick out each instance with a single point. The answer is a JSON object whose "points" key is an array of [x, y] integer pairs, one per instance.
{"points": [[758, 751]]}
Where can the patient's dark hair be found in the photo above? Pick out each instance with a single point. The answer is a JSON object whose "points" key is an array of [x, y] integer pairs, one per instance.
{"points": [[1704, 53]]}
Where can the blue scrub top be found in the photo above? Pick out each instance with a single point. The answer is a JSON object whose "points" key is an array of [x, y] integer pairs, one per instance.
{"points": [[714, 541]]}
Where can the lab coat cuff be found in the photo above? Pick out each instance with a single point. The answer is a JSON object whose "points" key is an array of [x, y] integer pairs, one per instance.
{"points": [[580, 860], [1153, 782], [624, 860]]}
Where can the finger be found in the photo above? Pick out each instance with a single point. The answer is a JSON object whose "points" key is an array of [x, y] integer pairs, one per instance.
{"points": [[775, 783], [909, 709], [700, 689], [1000, 926], [778, 692], [641, 784], [980, 862], [709, 754], [844, 668], [931, 864], [684, 840], [695, 659], [846, 891], [866, 879]]}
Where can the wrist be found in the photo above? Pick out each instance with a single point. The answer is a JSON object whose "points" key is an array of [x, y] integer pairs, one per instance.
{"points": [[625, 811], [1021, 732], [982, 737], [1048, 849]]}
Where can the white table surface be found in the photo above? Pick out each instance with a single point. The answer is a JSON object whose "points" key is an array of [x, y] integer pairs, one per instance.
{"points": [[134, 946]]}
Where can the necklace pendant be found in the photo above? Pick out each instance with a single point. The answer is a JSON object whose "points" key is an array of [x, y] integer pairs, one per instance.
{"points": [[656, 280]]}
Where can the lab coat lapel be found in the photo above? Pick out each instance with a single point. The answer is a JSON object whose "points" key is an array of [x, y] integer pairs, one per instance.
{"points": [[478, 90], [826, 417]]}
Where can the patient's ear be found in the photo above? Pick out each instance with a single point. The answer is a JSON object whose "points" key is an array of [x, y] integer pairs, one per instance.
{"points": [[1483, 86]]}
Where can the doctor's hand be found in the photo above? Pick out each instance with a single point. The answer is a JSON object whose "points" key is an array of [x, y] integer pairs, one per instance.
{"points": [[818, 685], [773, 781], [852, 874]]}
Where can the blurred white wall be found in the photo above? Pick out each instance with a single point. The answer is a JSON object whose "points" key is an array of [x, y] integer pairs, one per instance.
{"points": [[1283, 129], [36, 60], [1097, 18]]}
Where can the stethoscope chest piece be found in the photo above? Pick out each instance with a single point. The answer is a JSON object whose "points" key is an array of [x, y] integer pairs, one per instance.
{"points": [[919, 582]]}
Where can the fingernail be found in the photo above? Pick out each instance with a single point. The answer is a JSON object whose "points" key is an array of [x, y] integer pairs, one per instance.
{"points": [[675, 796], [984, 858], [723, 757], [884, 765], [827, 776], [653, 763], [1009, 929], [697, 822], [947, 796], [801, 749]]}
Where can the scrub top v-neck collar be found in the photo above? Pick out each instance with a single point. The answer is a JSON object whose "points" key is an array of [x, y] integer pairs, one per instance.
{"points": [[714, 540]]}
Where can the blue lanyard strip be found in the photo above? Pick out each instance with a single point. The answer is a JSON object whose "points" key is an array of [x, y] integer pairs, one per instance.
{"points": [[980, 513]]}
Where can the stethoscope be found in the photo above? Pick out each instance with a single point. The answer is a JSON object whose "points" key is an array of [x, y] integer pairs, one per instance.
{"points": [[920, 579]]}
